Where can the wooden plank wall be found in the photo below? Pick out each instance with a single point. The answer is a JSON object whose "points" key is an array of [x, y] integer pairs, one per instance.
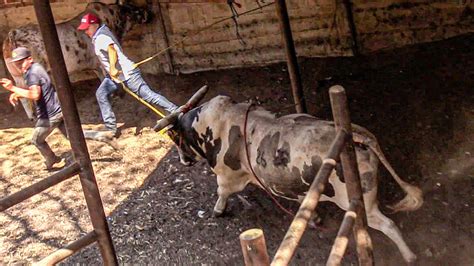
{"points": [[320, 29]]}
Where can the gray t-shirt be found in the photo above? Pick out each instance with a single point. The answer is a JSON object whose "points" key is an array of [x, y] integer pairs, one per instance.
{"points": [[48, 104], [101, 40]]}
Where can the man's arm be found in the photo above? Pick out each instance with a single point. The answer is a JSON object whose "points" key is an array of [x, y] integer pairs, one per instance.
{"points": [[33, 92], [113, 58]]}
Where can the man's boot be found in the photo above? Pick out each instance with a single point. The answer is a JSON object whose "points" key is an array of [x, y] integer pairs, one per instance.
{"points": [[55, 162]]}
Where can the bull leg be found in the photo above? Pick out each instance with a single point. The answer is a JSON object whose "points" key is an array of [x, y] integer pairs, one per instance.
{"points": [[226, 187], [375, 219], [382, 223]]}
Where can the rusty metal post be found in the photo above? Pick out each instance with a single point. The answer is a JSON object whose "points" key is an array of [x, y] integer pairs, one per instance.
{"points": [[254, 248], [292, 61], [342, 121], [74, 129]]}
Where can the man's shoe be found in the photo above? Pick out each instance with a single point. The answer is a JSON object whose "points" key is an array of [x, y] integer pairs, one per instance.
{"points": [[57, 163]]}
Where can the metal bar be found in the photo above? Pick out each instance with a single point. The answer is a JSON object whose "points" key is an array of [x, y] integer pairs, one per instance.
{"points": [[352, 27], [68, 250], [340, 243], [342, 121], [36, 188], [295, 231], [74, 130], [292, 61], [254, 248]]}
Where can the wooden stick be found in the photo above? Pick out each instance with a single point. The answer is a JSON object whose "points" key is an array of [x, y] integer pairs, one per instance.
{"points": [[254, 248]]}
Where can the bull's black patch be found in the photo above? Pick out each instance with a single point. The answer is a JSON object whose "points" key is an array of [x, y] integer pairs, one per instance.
{"points": [[367, 181], [340, 172], [267, 148], [309, 171], [328, 137], [282, 156], [231, 157], [67, 48], [211, 146], [329, 190]]}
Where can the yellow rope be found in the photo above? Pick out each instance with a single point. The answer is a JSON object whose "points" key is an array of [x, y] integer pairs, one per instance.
{"points": [[169, 47], [125, 88]]}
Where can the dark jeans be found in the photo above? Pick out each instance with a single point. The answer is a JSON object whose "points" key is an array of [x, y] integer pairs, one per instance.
{"points": [[138, 86], [42, 130]]}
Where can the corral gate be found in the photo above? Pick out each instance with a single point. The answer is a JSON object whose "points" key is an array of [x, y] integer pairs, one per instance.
{"points": [[82, 163]]}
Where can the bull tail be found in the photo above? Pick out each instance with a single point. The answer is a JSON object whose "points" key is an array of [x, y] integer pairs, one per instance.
{"points": [[414, 198]]}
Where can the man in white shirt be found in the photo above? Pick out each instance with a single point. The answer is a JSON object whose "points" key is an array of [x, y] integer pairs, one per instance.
{"points": [[119, 68]]}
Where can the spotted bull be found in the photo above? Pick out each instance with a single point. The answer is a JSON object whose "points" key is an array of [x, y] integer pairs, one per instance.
{"points": [[285, 153], [76, 46]]}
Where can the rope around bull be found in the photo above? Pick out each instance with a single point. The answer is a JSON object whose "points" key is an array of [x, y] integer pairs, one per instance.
{"points": [[267, 190]]}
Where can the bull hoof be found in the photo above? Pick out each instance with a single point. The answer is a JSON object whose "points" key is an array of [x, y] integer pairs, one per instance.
{"points": [[218, 213], [411, 260]]}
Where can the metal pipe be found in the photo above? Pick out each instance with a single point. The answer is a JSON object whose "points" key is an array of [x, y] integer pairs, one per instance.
{"points": [[342, 121], [67, 251], [295, 231], [36, 188], [74, 129], [292, 60], [340, 243]]}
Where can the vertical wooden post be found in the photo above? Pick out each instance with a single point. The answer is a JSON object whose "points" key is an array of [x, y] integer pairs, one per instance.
{"points": [[254, 248], [292, 61], [342, 121], [74, 130], [352, 27], [158, 9]]}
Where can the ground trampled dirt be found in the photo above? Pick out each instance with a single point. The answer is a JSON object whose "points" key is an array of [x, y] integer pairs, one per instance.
{"points": [[418, 101]]}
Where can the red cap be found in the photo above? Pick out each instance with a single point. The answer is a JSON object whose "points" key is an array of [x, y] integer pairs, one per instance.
{"points": [[87, 20]]}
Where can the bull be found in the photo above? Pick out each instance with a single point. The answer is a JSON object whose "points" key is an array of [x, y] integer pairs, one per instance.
{"points": [[285, 153]]}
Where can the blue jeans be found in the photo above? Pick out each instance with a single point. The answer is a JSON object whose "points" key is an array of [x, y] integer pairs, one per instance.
{"points": [[43, 128], [138, 86]]}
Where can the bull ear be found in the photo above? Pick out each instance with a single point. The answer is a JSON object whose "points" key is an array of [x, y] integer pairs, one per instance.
{"points": [[173, 117]]}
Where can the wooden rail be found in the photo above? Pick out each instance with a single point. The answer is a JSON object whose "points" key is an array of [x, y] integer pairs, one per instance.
{"points": [[82, 164]]}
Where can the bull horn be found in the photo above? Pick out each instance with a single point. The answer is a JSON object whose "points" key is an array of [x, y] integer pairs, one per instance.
{"points": [[171, 118]]}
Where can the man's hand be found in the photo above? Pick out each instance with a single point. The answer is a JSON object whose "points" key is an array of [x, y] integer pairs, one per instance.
{"points": [[7, 84], [114, 73], [14, 99]]}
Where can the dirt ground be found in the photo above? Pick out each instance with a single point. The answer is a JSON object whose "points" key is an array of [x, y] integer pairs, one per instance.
{"points": [[418, 101]]}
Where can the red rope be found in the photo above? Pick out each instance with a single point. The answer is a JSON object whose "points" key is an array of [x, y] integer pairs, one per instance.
{"points": [[251, 168]]}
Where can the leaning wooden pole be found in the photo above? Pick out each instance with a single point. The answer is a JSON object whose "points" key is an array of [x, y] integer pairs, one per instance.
{"points": [[292, 61], [352, 27], [342, 239], [342, 121], [74, 130]]}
